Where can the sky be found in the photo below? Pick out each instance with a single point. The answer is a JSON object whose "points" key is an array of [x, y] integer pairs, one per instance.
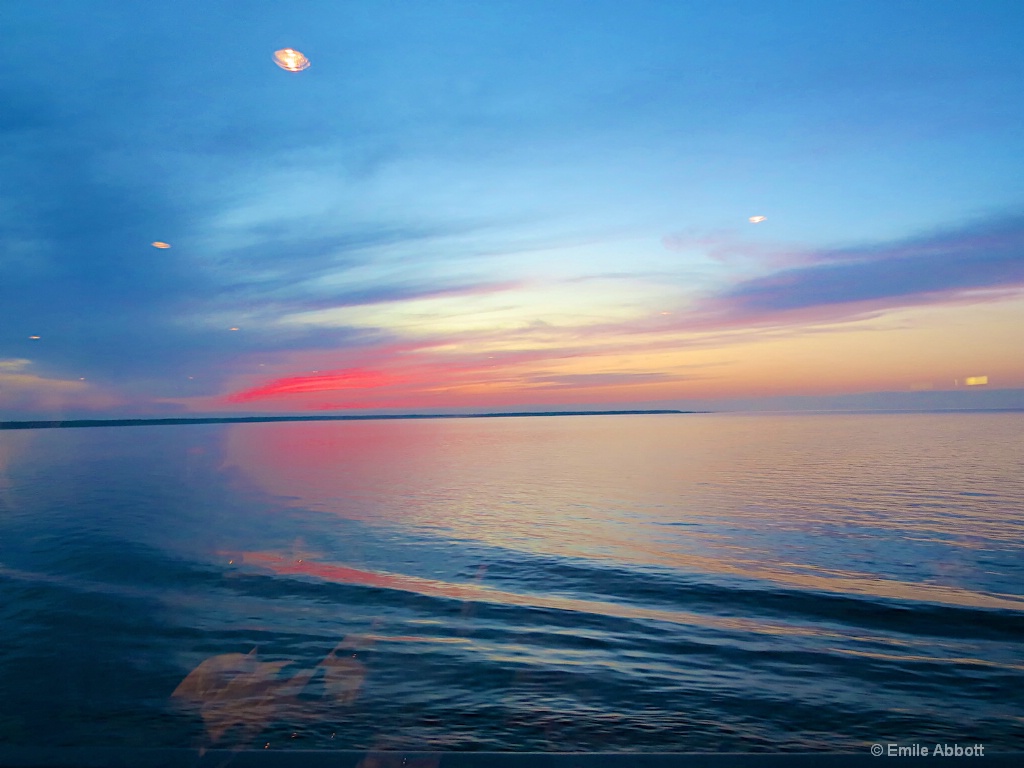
{"points": [[465, 206]]}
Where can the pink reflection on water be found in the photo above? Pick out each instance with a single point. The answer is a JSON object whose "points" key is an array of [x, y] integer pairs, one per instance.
{"points": [[283, 565], [632, 491]]}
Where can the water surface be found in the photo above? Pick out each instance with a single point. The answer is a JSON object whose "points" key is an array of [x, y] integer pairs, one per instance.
{"points": [[677, 583]]}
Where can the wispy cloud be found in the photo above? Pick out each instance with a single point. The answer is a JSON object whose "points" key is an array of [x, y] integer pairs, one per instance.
{"points": [[837, 284], [729, 246], [23, 392], [588, 380], [396, 290], [334, 381], [13, 366]]}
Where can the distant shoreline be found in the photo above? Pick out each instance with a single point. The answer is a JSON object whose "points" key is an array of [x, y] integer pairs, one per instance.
{"points": [[76, 423]]}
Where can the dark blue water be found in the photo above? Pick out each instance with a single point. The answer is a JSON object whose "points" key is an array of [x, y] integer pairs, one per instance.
{"points": [[675, 583]]}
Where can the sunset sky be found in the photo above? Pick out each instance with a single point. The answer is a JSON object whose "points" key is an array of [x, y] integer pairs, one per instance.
{"points": [[506, 205]]}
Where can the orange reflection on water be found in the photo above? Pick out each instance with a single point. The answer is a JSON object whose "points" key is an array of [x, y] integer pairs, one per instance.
{"points": [[821, 580], [288, 566], [959, 660], [902, 649], [283, 565]]}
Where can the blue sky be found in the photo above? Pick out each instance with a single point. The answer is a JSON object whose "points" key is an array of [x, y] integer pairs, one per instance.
{"points": [[464, 205]]}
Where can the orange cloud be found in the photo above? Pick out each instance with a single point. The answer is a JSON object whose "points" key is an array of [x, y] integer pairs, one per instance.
{"points": [[28, 393]]}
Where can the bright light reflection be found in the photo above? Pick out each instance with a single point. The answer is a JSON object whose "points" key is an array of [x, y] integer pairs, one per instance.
{"points": [[161, 244], [34, 337], [291, 60], [976, 381], [757, 219]]}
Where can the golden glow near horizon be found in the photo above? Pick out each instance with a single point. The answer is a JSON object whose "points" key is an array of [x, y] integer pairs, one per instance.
{"points": [[757, 219], [511, 345], [290, 60], [643, 358], [503, 317], [976, 381], [160, 244]]}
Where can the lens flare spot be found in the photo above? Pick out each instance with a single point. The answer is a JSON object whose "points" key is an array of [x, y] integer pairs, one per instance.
{"points": [[35, 337], [161, 244], [290, 60]]}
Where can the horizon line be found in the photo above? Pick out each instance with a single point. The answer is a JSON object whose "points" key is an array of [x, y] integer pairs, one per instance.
{"points": [[145, 421], [172, 421]]}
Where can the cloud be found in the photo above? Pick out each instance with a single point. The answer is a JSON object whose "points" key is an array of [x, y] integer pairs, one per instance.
{"points": [[13, 366], [24, 394], [975, 263], [382, 293], [332, 381], [726, 245], [431, 372], [285, 253], [588, 380], [948, 266], [831, 286]]}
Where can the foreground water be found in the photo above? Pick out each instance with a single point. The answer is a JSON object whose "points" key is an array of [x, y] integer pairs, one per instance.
{"points": [[677, 583]]}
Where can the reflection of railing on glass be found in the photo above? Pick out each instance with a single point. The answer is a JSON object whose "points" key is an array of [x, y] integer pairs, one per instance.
{"points": [[237, 695], [238, 691]]}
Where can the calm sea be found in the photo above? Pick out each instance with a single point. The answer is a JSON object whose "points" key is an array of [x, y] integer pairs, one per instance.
{"points": [[671, 583]]}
